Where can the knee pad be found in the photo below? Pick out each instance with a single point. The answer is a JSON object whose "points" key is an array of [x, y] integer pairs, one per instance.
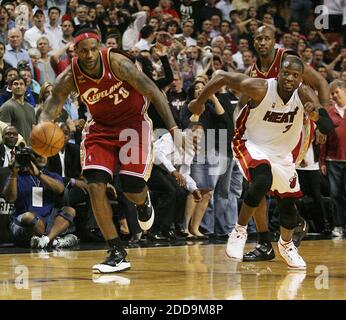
{"points": [[132, 184], [67, 216], [288, 213], [262, 179]]}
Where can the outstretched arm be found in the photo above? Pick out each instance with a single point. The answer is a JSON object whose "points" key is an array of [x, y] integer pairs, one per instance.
{"points": [[62, 88], [254, 88], [126, 70]]}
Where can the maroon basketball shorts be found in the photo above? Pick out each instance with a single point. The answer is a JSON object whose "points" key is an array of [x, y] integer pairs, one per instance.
{"points": [[110, 149]]}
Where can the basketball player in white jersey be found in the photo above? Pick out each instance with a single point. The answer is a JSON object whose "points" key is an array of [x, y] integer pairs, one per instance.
{"points": [[267, 130]]}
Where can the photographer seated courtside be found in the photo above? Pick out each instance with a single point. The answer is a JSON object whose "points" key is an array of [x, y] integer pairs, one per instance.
{"points": [[38, 217]]}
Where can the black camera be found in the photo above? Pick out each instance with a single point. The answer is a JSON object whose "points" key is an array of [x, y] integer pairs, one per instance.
{"points": [[24, 155]]}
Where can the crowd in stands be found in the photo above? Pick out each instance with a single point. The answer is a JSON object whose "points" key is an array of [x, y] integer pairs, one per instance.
{"points": [[179, 44]]}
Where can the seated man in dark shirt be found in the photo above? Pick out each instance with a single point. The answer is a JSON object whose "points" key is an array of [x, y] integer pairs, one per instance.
{"points": [[36, 194]]}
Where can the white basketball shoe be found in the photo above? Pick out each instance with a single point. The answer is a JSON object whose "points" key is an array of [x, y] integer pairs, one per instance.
{"points": [[236, 243], [289, 252]]}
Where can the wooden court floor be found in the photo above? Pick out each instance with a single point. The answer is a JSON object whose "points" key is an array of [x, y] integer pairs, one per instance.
{"points": [[183, 272]]}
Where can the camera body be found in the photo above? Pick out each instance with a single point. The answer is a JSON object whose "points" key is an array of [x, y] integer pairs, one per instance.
{"points": [[24, 155]]}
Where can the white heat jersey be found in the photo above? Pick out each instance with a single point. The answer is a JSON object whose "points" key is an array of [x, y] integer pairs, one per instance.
{"points": [[273, 126]]}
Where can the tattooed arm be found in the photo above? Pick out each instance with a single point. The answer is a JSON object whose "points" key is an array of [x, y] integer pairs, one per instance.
{"points": [[126, 70], [62, 88]]}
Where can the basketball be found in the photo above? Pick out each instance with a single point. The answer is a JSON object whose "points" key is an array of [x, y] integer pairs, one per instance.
{"points": [[47, 139]]}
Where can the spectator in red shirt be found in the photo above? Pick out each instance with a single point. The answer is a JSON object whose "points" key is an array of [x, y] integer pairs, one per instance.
{"points": [[333, 156]]}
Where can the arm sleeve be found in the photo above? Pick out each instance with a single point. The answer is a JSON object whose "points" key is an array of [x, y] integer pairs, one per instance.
{"points": [[324, 123], [168, 78]]}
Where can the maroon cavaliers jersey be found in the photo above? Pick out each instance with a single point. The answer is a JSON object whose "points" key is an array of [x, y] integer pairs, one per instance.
{"points": [[111, 101], [273, 70]]}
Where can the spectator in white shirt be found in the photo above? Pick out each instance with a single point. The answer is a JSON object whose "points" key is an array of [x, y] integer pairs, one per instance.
{"points": [[38, 30], [147, 37], [53, 23], [177, 164], [187, 32], [131, 34]]}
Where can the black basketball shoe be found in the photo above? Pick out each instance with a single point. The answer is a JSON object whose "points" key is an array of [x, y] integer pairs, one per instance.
{"points": [[262, 252], [115, 262], [300, 232], [145, 214]]}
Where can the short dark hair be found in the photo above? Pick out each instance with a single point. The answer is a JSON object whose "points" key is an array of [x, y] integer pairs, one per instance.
{"points": [[9, 70], [146, 31], [54, 8]]}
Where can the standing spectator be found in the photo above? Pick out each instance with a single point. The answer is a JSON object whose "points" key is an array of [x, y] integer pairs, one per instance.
{"points": [[187, 33], [6, 91], [10, 7], [35, 56], [38, 30], [53, 23], [67, 31], [4, 66], [243, 46], [225, 6], [333, 156], [70, 12], [32, 87], [4, 18], [46, 71], [14, 52], [225, 32], [228, 62], [81, 18], [131, 34], [147, 37], [207, 11], [40, 5], [176, 97], [166, 9], [111, 42], [16, 111], [216, 22], [299, 10]]}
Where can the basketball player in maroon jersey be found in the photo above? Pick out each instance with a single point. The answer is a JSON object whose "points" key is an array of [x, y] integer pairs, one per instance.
{"points": [[116, 92], [268, 66]]}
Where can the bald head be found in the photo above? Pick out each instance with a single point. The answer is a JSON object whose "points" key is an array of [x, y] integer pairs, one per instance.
{"points": [[266, 30], [264, 41]]}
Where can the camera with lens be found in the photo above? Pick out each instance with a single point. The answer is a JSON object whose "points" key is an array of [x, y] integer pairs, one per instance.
{"points": [[24, 155]]}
